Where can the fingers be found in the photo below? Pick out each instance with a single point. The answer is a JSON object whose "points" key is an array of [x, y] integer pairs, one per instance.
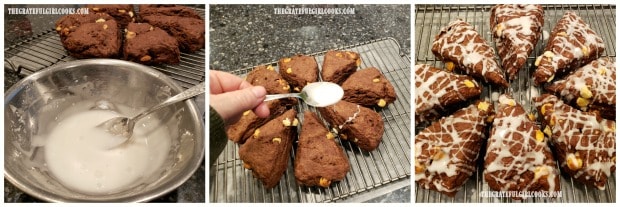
{"points": [[230, 105], [221, 82]]}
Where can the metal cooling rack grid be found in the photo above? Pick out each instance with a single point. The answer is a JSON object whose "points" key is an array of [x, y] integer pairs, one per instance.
{"points": [[388, 165], [429, 19]]}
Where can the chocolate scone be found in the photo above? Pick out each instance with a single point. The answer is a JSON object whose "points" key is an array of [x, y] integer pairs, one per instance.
{"points": [[591, 87], [319, 160], [461, 47], [584, 143], [69, 23], [168, 10], [518, 157], [358, 124], [446, 151], [339, 65], [268, 151], [150, 45], [572, 44], [439, 92], [241, 130], [299, 70], [179, 21], [368, 87], [516, 30], [266, 76], [122, 13], [98, 39]]}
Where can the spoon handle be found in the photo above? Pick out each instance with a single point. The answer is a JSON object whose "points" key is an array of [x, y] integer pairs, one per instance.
{"points": [[279, 96], [191, 92]]}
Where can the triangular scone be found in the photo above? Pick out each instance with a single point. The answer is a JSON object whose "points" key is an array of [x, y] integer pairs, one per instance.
{"points": [[319, 160], [339, 65], [368, 87], [518, 157], [461, 47], [591, 87], [584, 143], [355, 123], [267, 152], [266, 76], [516, 30], [299, 70], [243, 129], [446, 152], [438, 91], [572, 44]]}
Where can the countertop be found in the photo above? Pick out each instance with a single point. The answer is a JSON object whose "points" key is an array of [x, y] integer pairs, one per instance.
{"points": [[243, 36], [21, 27]]}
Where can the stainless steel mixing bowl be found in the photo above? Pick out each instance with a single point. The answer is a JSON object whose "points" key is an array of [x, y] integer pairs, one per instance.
{"points": [[31, 105]]}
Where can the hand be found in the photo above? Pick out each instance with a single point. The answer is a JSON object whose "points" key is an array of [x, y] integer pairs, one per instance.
{"points": [[231, 96]]}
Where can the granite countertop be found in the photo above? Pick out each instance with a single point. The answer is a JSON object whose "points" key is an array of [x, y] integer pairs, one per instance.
{"points": [[21, 27], [243, 36]]}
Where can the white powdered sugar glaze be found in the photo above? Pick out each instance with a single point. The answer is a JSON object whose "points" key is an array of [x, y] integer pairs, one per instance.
{"points": [[600, 73]]}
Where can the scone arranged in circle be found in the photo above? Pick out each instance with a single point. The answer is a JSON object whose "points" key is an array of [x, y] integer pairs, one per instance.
{"points": [[89, 35], [446, 152], [368, 87], [150, 45], [438, 92], [267, 152], [591, 87], [299, 70], [516, 29], [339, 65], [572, 44], [355, 123], [462, 48], [241, 130], [122, 13], [518, 157], [319, 160], [180, 22], [584, 143]]}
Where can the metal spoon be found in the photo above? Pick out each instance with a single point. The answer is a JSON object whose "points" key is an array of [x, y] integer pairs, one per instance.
{"points": [[123, 126], [318, 94]]}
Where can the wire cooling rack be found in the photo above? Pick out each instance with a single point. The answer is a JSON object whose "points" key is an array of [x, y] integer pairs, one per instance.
{"points": [[44, 50], [388, 165], [429, 19]]}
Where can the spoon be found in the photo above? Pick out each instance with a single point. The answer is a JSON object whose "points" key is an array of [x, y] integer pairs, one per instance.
{"points": [[317, 94], [123, 126]]}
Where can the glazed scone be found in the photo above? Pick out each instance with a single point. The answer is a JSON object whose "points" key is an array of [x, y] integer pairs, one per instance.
{"points": [[584, 143], [516, 29], [460, 45], [518, 157], [572, 43], [319, 160], [299, 70], [339, 65], [590, 88], [355, 123], [439, 92], [368, 87], [267, 152], [441, 164]]}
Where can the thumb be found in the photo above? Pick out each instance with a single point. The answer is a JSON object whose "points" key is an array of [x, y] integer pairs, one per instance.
{"points": [[231, 104]]}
